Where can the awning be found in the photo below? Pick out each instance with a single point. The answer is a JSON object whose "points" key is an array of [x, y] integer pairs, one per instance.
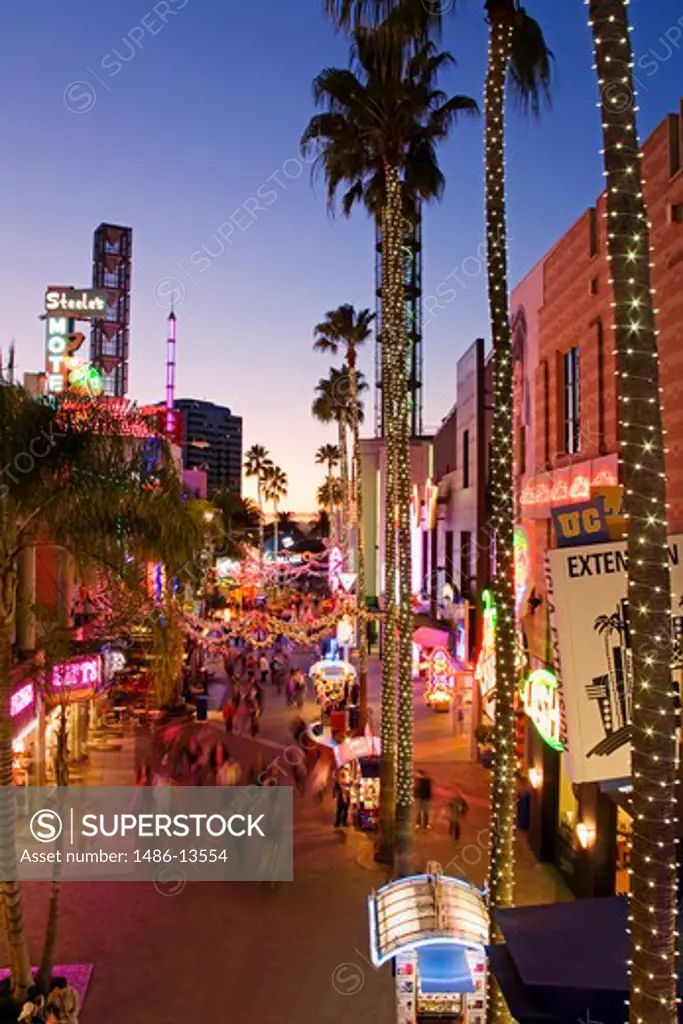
{"points": [[426, 636], [424, 910], [444, 969]]}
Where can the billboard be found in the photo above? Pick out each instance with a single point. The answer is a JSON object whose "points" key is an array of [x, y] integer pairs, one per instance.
{"points": [[592, 650]]}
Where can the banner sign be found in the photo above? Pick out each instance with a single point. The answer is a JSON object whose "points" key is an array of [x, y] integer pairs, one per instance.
{"points": [[592, 651], [584, 523]]}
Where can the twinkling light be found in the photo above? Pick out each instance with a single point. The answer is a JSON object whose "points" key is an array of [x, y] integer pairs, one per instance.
{"points": [[503, 790], [653, 899]]}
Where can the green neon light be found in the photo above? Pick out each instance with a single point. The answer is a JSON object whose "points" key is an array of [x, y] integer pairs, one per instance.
{"points": [[540, 694]]}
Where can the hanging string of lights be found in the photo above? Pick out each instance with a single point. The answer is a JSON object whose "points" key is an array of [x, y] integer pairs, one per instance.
{"points": [[654, 754]]}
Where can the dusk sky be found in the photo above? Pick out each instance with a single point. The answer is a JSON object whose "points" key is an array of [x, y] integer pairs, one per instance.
{"points": [[112, 115]]}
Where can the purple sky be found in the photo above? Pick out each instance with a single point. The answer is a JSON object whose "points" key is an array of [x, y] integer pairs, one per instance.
{"points": [[176, 126]]}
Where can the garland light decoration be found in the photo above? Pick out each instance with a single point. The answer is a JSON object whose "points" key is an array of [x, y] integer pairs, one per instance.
{"points": [[654, 754]]}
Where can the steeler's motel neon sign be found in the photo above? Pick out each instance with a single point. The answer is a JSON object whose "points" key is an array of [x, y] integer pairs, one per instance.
{"points": [[62, 307], [57, 330], [88, 304]]}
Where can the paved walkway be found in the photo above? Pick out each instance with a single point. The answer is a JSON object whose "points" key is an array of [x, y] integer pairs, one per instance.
{"points": [[245, 952]]}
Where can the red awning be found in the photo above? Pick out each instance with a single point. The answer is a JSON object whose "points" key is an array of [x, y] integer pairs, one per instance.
{"points": [[425, 636]]}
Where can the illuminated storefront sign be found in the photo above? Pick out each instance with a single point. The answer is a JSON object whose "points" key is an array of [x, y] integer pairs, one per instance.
{"points": [[78, 304], [522, 566], [21, 699], [584, 523], [82, 674], [485, 672], [336, 567], [541, 699], [440, 679]]}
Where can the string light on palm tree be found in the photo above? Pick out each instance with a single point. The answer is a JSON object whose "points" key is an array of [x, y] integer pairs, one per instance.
{"points": [[653, 908], [344, 327], [376, 137]]}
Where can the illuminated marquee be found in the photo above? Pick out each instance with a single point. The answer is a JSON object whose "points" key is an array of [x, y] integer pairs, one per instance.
{"points": [[83, 674], [541, 699], [522, 567]]}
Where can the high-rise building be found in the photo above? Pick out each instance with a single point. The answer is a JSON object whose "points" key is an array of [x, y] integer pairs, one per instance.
{"points": [[212, 441], [112, 253]]}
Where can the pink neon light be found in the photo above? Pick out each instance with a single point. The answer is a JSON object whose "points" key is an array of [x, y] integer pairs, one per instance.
{"points": [[21, 699], [77, 674]]}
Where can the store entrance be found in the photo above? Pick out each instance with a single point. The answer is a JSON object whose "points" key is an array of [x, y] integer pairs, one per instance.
{"points": [[622, 885]]}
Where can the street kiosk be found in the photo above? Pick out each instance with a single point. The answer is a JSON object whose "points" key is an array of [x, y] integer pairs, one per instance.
{"points": [[435, 929]]}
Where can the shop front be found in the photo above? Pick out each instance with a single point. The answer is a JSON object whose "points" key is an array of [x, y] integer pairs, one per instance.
{"points": [[36, 717], [580, 715]]}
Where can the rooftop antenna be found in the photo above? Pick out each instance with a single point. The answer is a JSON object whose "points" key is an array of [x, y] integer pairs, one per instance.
{"points": [[170, 372]]}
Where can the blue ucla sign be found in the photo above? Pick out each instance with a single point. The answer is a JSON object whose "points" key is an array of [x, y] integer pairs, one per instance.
{"points": [[584, 523]]}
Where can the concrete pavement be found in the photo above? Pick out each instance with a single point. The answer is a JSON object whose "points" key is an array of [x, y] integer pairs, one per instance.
{"points": [[251, 953]]}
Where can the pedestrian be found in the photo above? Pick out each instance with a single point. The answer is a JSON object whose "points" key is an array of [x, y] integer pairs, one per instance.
{"points": [[229, 711], [342, 791], [263, 668], [423, 794]]}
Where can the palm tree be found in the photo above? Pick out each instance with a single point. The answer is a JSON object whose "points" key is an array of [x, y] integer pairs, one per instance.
{"points": [[519, 58], [274, 489], [330, 493], [321, 523], [258, 463], [343, 326], [653, 909], [88, 492], [330, 456], [376, 136], [241, 522]]}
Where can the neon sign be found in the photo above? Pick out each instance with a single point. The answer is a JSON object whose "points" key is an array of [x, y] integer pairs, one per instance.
{"points": [[21, 699], [57, 331], [522, 566], [84, 674], [440, 679], [485, 672], [88, 304], [541, 699]]}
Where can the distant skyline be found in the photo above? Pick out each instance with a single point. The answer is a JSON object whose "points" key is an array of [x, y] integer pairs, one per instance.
{"points": [[182, 119]]}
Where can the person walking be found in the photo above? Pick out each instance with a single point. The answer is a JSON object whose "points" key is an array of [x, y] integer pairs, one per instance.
{"points": [[263, 668], [342, 791], [423, 795], [457, 809]]}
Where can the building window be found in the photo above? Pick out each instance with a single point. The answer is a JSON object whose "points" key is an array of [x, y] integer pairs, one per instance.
{"points": [[465, 459], [676, 213], [594, 286], [450, 567], [465, 563], [572, 431]]}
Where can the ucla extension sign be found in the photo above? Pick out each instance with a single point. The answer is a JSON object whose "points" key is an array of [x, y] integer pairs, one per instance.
{"points": [[592, 650]]}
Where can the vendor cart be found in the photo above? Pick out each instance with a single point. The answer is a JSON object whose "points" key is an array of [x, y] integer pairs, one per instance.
{"points": [[333, 680], [435, 929]]}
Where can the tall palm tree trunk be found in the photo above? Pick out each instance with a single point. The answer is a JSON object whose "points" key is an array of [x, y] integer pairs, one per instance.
{"points": [[50, 942], [261, 528], [387, 806], [344, 472], [503, 790], [652, 927], [360, 542], [399, 341], [16, 943], [276, 533]]}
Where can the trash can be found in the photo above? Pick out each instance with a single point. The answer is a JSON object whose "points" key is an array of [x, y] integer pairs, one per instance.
{"points": [[202, 707]]}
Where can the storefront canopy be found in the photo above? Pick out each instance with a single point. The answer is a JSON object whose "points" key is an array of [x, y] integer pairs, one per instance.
{"points": [[426, 910], [565, 961], [427, 636]]}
